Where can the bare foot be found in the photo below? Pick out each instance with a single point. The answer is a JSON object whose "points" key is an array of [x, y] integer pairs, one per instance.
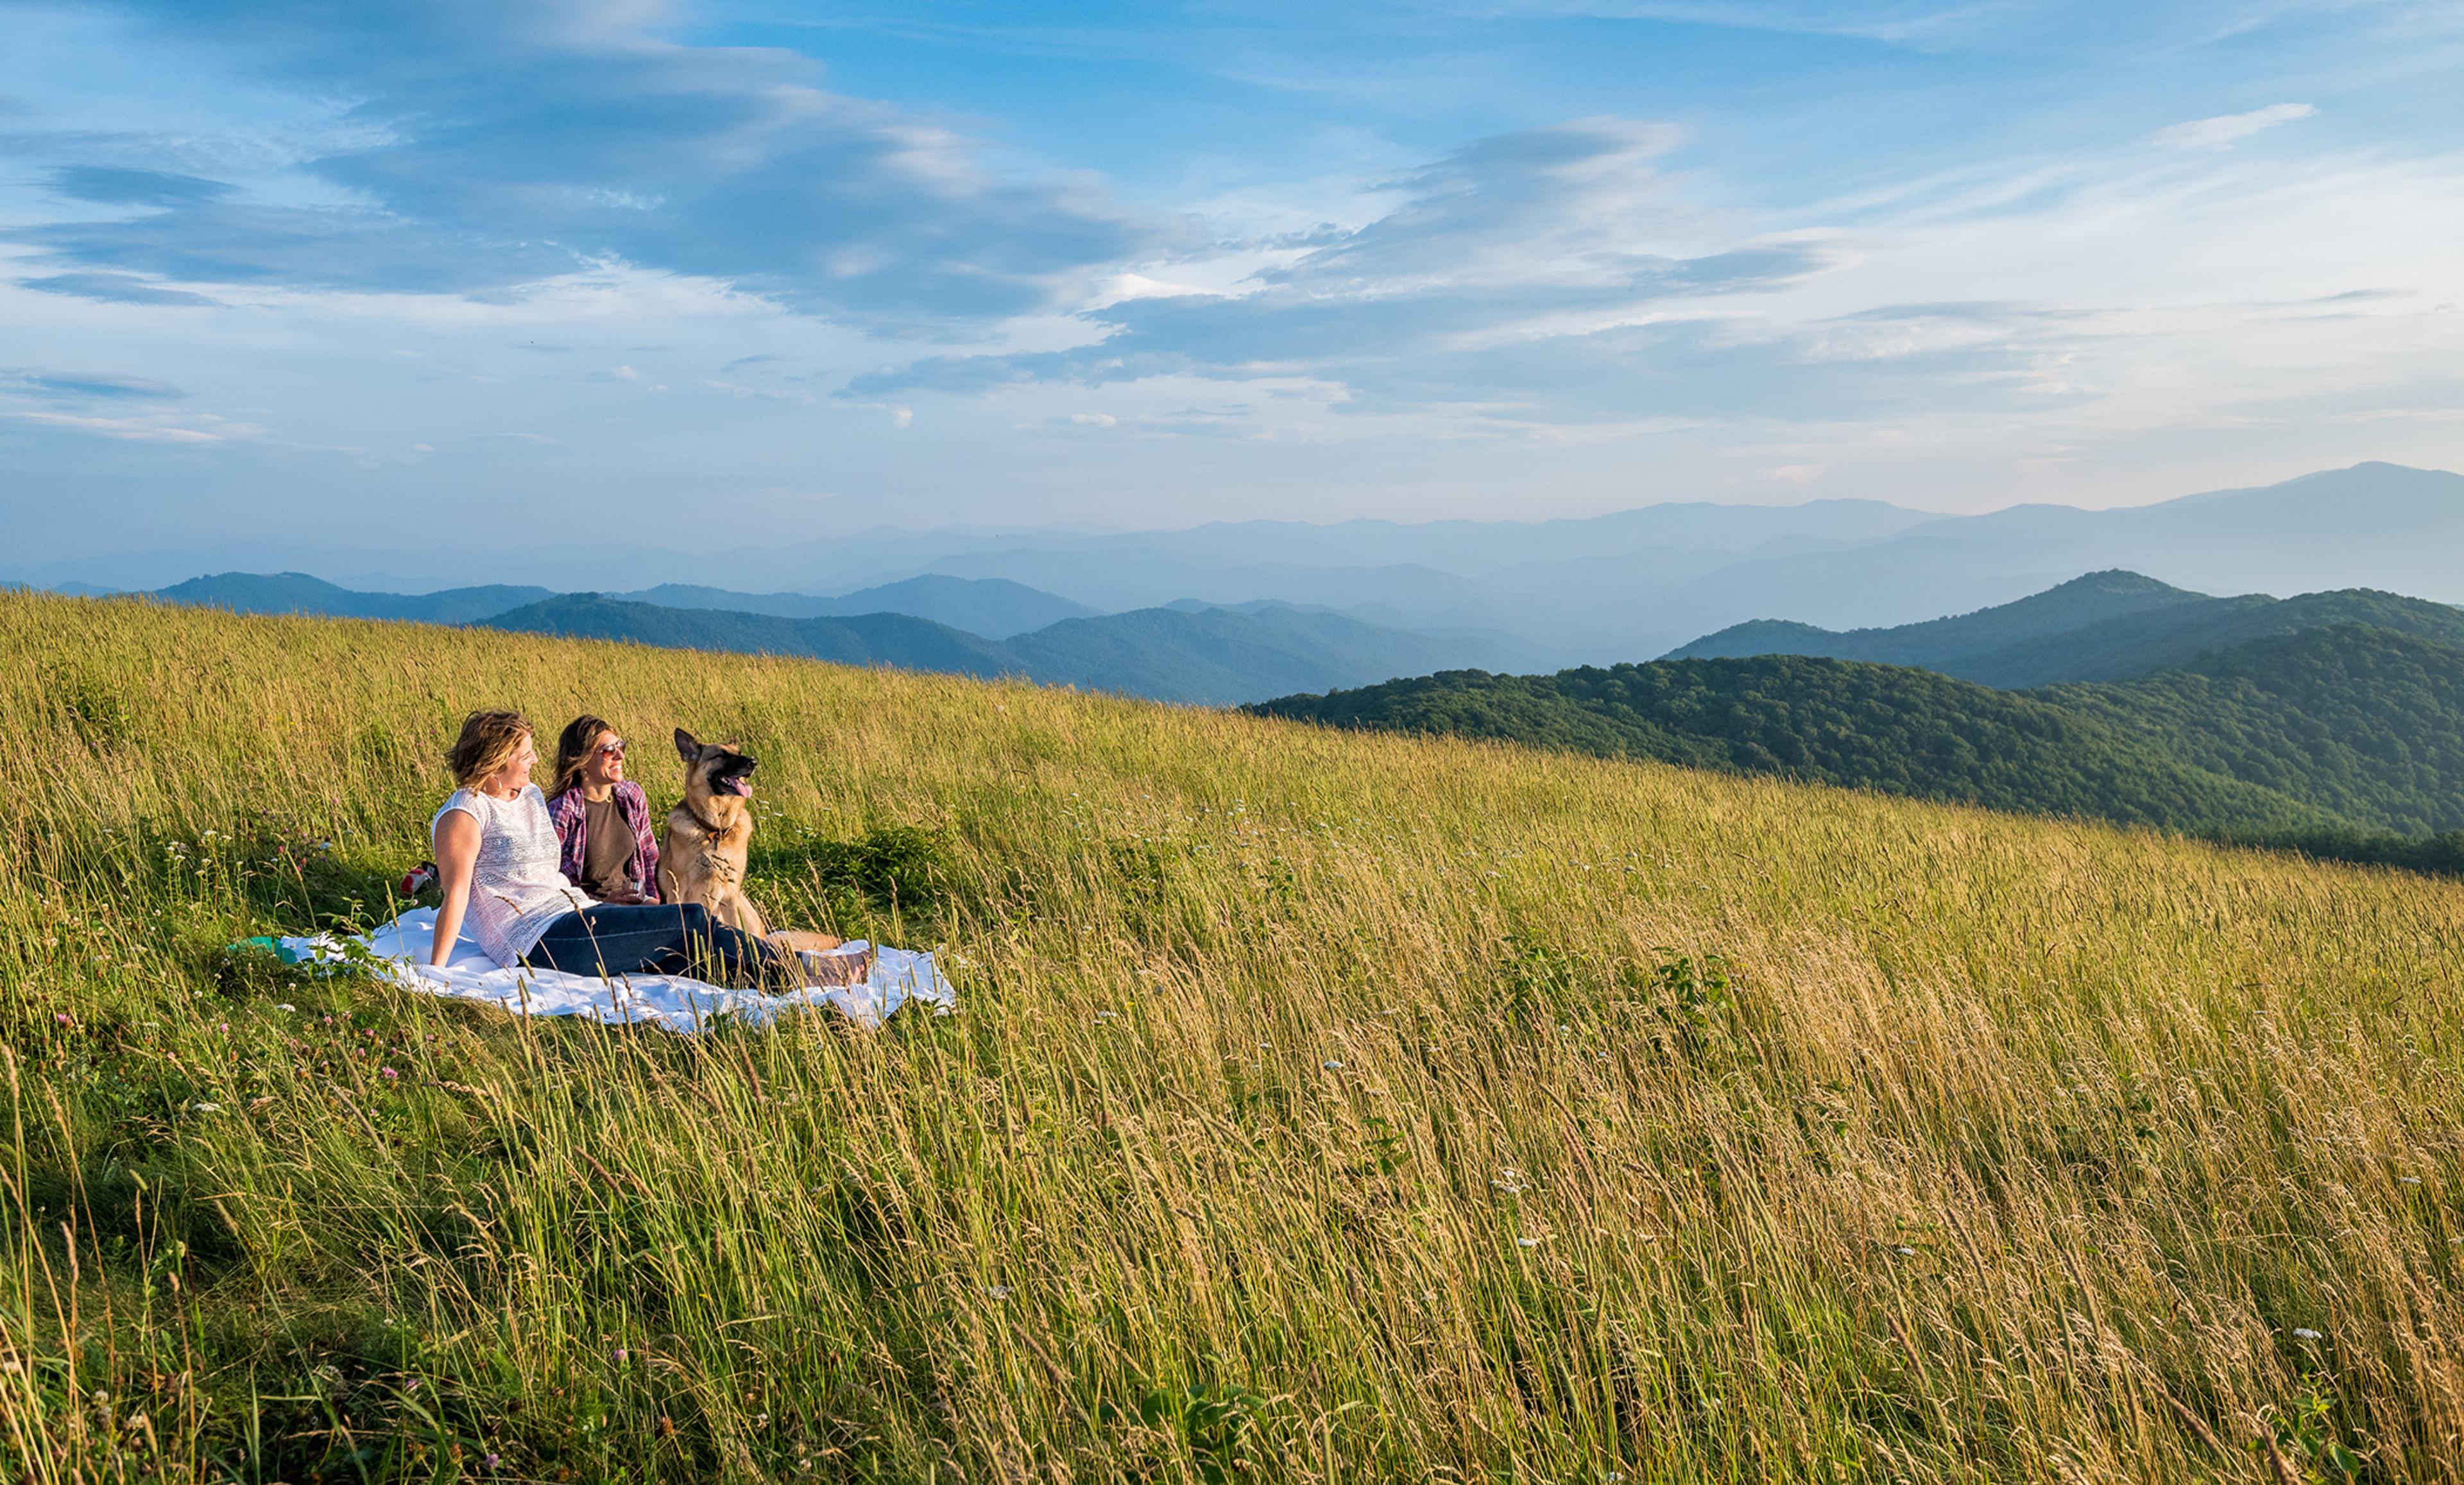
{"points": [[834, 971]]}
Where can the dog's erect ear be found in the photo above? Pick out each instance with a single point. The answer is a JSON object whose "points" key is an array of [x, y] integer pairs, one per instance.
{"points": [[688, 746]]}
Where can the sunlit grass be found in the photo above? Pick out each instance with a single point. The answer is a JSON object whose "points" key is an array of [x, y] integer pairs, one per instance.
{"points": [[1321, 1106]]}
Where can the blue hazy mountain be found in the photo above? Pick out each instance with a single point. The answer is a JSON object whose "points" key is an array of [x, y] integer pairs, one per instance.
{"points": [[993, 607], [298, 593], [1210, 655], [1601, 589], [2104, 627]]}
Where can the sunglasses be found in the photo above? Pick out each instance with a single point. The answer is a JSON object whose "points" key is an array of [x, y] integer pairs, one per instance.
{"points": [[612, 748]]}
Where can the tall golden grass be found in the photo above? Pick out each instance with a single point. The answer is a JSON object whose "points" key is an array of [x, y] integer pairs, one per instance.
{"points": [[1320, 1107]]}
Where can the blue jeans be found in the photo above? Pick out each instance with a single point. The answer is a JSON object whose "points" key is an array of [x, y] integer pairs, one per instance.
{"points": [[654, 938]]}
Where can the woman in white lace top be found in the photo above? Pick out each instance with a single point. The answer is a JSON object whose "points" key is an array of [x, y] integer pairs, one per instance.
{"points": [[497, 859]]}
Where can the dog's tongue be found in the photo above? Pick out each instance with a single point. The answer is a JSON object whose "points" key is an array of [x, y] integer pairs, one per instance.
{"points": [[742, 784]]}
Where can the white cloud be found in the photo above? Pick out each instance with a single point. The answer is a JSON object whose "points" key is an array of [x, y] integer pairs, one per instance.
{"points": [[2228, 128], [132, 429]]}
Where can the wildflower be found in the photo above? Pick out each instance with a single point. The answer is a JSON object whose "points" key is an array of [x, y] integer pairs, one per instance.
{"points": [[998, 1291], [2305, 1335], [62, 1017], [490, 1460], [388, 1073], [1905, 1253], [1527, 1242], [1333, 1066], [286, 1008], [205, 1108], [2409, 1180]]}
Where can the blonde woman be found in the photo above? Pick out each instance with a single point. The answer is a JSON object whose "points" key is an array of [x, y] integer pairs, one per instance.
{"points": [[497, 859]]}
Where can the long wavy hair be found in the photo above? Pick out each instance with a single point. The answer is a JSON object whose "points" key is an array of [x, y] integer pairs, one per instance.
{"points": [[488, 741], [573, 748]]}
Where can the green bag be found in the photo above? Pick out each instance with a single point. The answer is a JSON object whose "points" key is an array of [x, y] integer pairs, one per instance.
{"points": [[274, 945]]}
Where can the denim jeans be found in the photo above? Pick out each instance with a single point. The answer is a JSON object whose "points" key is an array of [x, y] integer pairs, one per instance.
{"points": [[654, 938]]}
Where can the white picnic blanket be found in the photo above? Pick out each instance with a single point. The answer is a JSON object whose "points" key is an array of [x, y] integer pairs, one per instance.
{"points": [[669, 1001]]}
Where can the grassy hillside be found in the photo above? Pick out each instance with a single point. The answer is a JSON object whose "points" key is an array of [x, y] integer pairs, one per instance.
{"points": [[1322, 1107]]}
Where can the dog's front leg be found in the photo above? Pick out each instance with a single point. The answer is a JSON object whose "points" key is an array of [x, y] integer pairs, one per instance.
{"points": [[748, 918]]}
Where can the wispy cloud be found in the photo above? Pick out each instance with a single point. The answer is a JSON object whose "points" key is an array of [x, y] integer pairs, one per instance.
{"points": [[118, 187], [2227, 129], [130, 430], [1500, 249], [84, 385], [114, 289], [490, 146]]}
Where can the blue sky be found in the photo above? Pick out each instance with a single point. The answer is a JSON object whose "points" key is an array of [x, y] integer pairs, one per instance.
{"points": [[706, 274]]}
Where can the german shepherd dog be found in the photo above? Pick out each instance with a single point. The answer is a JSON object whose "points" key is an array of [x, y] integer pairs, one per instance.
{"points": [[705, 845], [709, 837]]}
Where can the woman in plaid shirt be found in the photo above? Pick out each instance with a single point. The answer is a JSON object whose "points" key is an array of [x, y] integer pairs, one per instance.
{"points": [[602, 819]]}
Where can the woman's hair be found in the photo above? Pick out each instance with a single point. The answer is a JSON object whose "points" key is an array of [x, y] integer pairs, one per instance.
{"points": [[573, 750], [488, 741]]}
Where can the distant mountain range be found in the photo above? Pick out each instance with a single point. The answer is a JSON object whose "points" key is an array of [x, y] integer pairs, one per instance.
{"points": [[1190, 652], [1214, 656], [995, 607], [2333, 720], [2104, 627], [1607, 588], [298, 593]]}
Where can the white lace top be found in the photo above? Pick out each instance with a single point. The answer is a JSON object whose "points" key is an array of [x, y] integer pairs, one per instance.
{"points": [[515, 888]]}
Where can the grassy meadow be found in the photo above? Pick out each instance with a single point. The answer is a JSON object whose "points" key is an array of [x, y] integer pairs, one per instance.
{"points": [[1321, 1108]]}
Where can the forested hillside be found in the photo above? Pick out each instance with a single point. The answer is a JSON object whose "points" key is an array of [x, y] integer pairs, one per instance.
{"points": [[1890, 727], [2364, 723], [2320, 735]]}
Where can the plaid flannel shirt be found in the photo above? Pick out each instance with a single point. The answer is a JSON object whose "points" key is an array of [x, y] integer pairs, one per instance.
{"points": [[570, 815]]}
